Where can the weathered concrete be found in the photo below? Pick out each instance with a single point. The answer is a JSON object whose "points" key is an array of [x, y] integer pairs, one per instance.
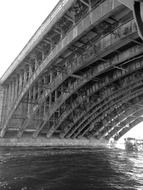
{"points": [[38, 142]]}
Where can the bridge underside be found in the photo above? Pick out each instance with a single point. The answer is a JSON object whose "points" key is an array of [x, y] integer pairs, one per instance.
{"points": [[95, 88]]}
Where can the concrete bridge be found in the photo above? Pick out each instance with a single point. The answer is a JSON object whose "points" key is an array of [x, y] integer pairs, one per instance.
{"points": [[79, 76]]}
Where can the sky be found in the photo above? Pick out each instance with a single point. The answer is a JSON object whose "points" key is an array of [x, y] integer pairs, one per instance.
{"points": [[136, 132], [19, 19]]}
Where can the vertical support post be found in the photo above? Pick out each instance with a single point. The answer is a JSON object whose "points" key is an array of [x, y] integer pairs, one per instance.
{"points": [[36, 63], [9, 96], [56, 95], [16, 87], [50, 100], [25, 76], [30, 70], [12, 92], [51, 77], [29, 102], [4, 105], [20, 82]]}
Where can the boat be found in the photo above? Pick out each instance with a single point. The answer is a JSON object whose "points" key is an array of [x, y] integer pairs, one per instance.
{"points": [[133, 144]]}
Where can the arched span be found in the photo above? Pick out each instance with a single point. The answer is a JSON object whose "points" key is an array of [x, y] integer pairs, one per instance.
{"points": [[57, 48], [91, 76], [129, 127], [95, 122], [89, 86]]}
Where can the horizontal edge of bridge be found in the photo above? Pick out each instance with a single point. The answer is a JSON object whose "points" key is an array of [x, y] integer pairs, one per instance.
{"points": [[52, 18], [29, 142]]}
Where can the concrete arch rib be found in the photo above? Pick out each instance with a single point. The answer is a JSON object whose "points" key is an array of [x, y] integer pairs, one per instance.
{"points": [[133, 83], [109, 128], [124, 118], [95, 118], [103, 129], [126, 129], [83, 117]]}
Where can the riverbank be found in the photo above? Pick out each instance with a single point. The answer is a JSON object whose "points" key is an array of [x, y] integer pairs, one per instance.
{"points": [[49, 142]]}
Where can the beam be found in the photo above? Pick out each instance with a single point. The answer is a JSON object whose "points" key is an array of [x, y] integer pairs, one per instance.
{"points": [[86, 4], [127, 3], [69, 18]]}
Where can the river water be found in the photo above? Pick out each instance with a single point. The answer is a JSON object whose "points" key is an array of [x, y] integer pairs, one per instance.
{"points": [[70, 169]]}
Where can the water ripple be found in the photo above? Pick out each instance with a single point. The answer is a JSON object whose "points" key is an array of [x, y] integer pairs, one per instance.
{"points": [[70, 169]]}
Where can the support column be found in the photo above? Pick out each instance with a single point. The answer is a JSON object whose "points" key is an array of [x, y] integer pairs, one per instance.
{"points": [[30, 70], [9, 96], [51, 77], [25, 76], [16, 88], [56, 95], [20, 82], [50, 100], [29, 102], [12, 92], [36, 63], [4, 105]]}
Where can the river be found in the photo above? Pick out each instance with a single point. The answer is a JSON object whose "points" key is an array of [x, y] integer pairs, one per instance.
{"points": [[70, 169]]}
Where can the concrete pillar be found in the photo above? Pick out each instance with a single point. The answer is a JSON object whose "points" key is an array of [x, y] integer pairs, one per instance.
{"points": [[50, 100], [2, 103], [12, 92], [39, 89], [5, 103], [56, 95], [20, 82], [9, 95], [29, 102], [25, 76], [36, 63], [51, 77], [16, 87], [30, 70], [44, 111]]}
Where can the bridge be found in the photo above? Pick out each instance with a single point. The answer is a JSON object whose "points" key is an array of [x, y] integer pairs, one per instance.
{"points": [[79, 77]]}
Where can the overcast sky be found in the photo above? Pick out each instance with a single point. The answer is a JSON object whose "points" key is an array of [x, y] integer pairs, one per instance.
{"points": [[19, 19]]}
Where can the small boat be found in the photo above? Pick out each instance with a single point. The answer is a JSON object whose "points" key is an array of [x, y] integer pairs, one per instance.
{"points": [[131, 144]]}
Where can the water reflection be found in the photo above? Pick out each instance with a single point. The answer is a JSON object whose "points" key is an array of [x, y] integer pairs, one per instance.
{"points": [[67, 169]]}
